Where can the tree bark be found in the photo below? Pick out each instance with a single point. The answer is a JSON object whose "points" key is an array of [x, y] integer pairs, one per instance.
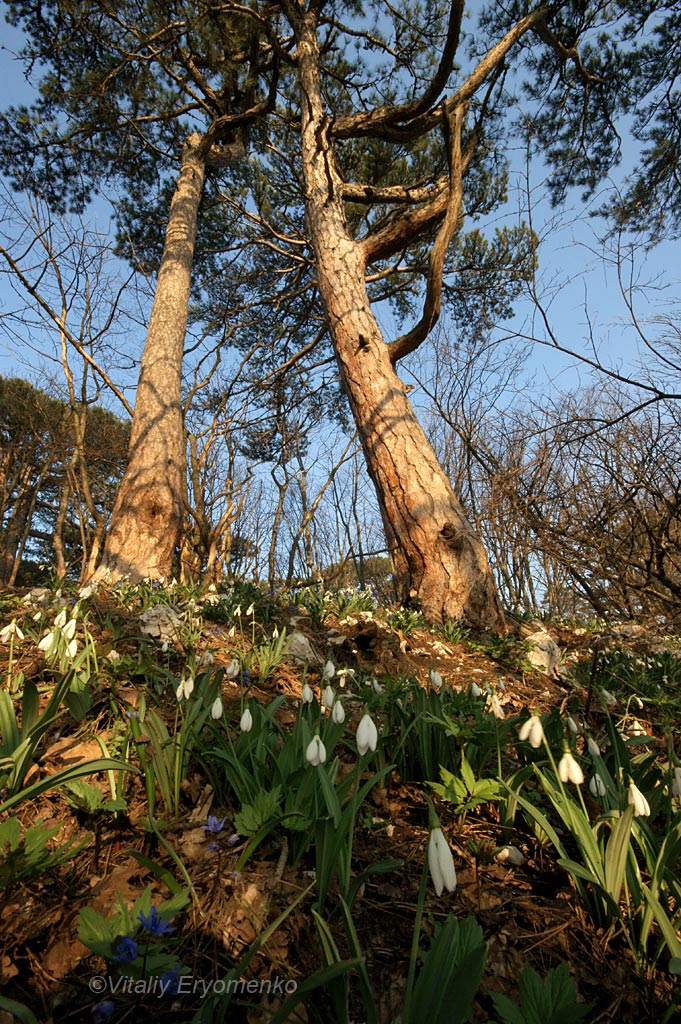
{"points": [[146, 521], [442, 562]]}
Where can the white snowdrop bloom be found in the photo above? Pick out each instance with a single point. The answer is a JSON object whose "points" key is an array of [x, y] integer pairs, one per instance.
{"points": [[532, 730], [569, 770], [246, 721], [608, 698], [596, 786], [338, 713], [9, 631], [435, 679], [572, 725], [367, 735], [60, 619], [216, 709], [69, 629], [328, 672], [441, 862], [307, 694], [316, 751], [593, 747], [185, 689], [46, 642], [494, 707], [475, 690], [328, 697], [232, 670], [640, 804]]}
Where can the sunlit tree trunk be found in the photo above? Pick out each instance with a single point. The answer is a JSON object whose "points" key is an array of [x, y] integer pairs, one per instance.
{"points": [[440, 559], [146, 522]]}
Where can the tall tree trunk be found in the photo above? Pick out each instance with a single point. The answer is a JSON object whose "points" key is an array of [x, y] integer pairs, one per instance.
{"points": [[441, 560], [146, 521]]}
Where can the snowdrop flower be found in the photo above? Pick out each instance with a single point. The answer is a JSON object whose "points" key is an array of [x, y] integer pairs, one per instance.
{"points": [[593, 747], [475, 690], [328, 672], [533, 731], [206, 658], [342, 674], [249, 610], [275, 633], [232, 670], [72, 648], [60, 619], [608, 698], [637, 729], [216, 709], [185, 689], [376, 686], [441, 862], [316, 751], [494, 707], [307, 694], [164, 647], [69, 629], [246, 722], [572, 725], [46, 642], [676, 784], [596, 786], [641, 805], [87, 591], [367, 735], [328, 697], [338, 713], [435, 679], [501, 685], [569, 770], [9, 631], [237, 612]]}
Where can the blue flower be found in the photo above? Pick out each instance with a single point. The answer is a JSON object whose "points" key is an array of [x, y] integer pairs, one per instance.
{"points": [[154, 923], [215, 824], [102, 1011], [170, 981], [126, 951]]}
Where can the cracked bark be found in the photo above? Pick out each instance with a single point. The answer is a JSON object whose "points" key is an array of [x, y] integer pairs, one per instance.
{"points": [[439, 558]]}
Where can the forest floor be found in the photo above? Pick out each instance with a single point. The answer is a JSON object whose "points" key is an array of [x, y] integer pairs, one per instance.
{"points": [[529, 912]]}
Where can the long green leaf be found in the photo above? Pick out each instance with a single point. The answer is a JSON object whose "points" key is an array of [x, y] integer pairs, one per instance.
{"points": [[66, 775]]}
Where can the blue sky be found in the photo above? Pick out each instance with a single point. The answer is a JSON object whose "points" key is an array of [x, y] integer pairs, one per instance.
{"points": [[580, 288]]}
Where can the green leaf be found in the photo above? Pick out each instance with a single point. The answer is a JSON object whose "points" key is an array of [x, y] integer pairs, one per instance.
{"points": [[549, 1000], [252, 817], [451, 973]]}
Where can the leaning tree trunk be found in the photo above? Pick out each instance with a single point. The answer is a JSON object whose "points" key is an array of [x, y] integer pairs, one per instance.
{"points": [[440, 558], [146, 521]]}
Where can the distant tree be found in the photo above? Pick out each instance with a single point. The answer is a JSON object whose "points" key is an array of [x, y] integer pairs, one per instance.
{"points": [[46, 458]]}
